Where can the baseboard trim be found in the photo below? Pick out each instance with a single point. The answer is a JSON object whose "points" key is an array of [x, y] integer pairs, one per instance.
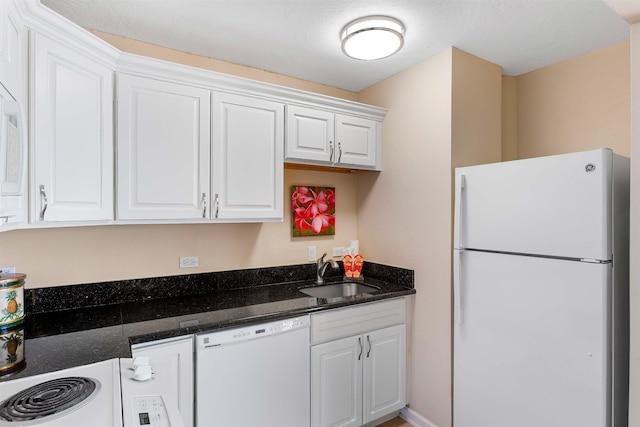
{"points": [[415, 419]]}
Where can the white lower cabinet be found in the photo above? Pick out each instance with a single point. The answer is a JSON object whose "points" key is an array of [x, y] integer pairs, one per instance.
{"points": [[360, 378], [174, 356]]}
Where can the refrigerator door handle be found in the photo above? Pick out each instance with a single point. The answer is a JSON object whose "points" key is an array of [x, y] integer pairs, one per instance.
{"points": [[457, 286], [457, 214]]}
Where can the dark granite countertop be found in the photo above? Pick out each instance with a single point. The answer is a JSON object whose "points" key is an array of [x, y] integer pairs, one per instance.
{"points": [[75, 325]]}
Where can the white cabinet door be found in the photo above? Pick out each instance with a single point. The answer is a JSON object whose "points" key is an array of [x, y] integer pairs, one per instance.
{"points": [[247, 158], [384, 374], [11, 59], [174, 358], [310, 134], [357, 141], [336, 383], [72, 129], [163, 149]]}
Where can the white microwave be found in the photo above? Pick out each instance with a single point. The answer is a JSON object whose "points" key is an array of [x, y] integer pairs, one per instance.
{"points": [[12, 161]]}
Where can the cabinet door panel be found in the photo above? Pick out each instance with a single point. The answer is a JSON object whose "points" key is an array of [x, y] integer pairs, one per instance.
{"points": [[173, 357], [72, 118], [310, 134], [336, 383], [356, 139], [163, 149], [247, 149], [384, 372]]}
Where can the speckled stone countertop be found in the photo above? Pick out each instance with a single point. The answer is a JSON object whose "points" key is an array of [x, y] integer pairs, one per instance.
{"points": [[69, 326]]}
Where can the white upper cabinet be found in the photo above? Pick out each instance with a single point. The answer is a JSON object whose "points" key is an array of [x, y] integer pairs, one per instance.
{"points": [[71, 123], [310, 134], [11, 48], [163, 150], [247, 153], [117, 137], [322, 137], [357, 141]]}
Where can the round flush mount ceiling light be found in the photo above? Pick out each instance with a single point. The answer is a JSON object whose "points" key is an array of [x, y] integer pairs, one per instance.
{"points": [[372, 37]]}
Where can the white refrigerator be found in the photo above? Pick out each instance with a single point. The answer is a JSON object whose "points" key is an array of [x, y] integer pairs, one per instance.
{"points": [[541, 282]]}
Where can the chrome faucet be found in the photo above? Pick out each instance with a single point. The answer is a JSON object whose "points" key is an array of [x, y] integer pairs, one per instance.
{"points": [[321, 267]]}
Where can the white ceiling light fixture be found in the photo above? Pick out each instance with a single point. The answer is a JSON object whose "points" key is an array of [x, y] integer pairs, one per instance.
{"points": [[372, 37]]}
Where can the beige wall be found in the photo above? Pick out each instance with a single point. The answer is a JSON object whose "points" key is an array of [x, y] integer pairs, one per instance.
{"points": [[509, 119], [576, 105], [442, 112], [476, 111]]}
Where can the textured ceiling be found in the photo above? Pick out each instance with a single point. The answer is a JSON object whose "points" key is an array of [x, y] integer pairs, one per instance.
{"points": [[301, 38]]}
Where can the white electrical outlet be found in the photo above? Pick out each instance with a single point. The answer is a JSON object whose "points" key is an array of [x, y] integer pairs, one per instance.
{"points": [[339, 251], [7, 270], [311, 253], [189, 261]]}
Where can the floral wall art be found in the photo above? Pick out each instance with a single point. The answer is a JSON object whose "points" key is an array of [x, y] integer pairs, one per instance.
{"points": [[313, 211]]}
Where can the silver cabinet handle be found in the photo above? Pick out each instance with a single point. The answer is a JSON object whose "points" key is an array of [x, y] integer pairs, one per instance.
{"points": [[360, 344], [204, 205], [45, 203], [339, 152], [369, 342], [217, 204], [331, 151]]}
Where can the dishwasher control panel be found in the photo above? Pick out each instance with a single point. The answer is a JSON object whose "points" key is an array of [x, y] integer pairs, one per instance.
{"points": [[227, 336]]}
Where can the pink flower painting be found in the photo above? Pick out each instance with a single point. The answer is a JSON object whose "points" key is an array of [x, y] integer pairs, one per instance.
{"points": [[313, 211]]}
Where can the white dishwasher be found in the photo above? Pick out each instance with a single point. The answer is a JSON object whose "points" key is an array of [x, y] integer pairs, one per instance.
{"points": [[254, 376]]}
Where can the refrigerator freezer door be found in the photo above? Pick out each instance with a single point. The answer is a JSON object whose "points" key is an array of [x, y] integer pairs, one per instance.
{"points": [[532, 347], [556, 205]]}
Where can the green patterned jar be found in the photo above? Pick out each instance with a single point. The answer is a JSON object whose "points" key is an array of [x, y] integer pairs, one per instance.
{"points": [[11, 299]]}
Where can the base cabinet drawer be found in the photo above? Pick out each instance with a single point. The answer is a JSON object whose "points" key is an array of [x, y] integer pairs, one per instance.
{"points": [[350, 321]]}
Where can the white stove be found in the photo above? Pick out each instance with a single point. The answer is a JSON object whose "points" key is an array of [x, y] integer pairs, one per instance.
{"points": [[104, 394]]}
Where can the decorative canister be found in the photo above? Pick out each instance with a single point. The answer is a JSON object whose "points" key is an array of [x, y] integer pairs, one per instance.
{"points": [[11, 299], [12, 349]]}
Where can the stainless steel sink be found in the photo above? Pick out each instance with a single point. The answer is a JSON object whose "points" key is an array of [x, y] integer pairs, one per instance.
{"points": [[339, 290]]}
